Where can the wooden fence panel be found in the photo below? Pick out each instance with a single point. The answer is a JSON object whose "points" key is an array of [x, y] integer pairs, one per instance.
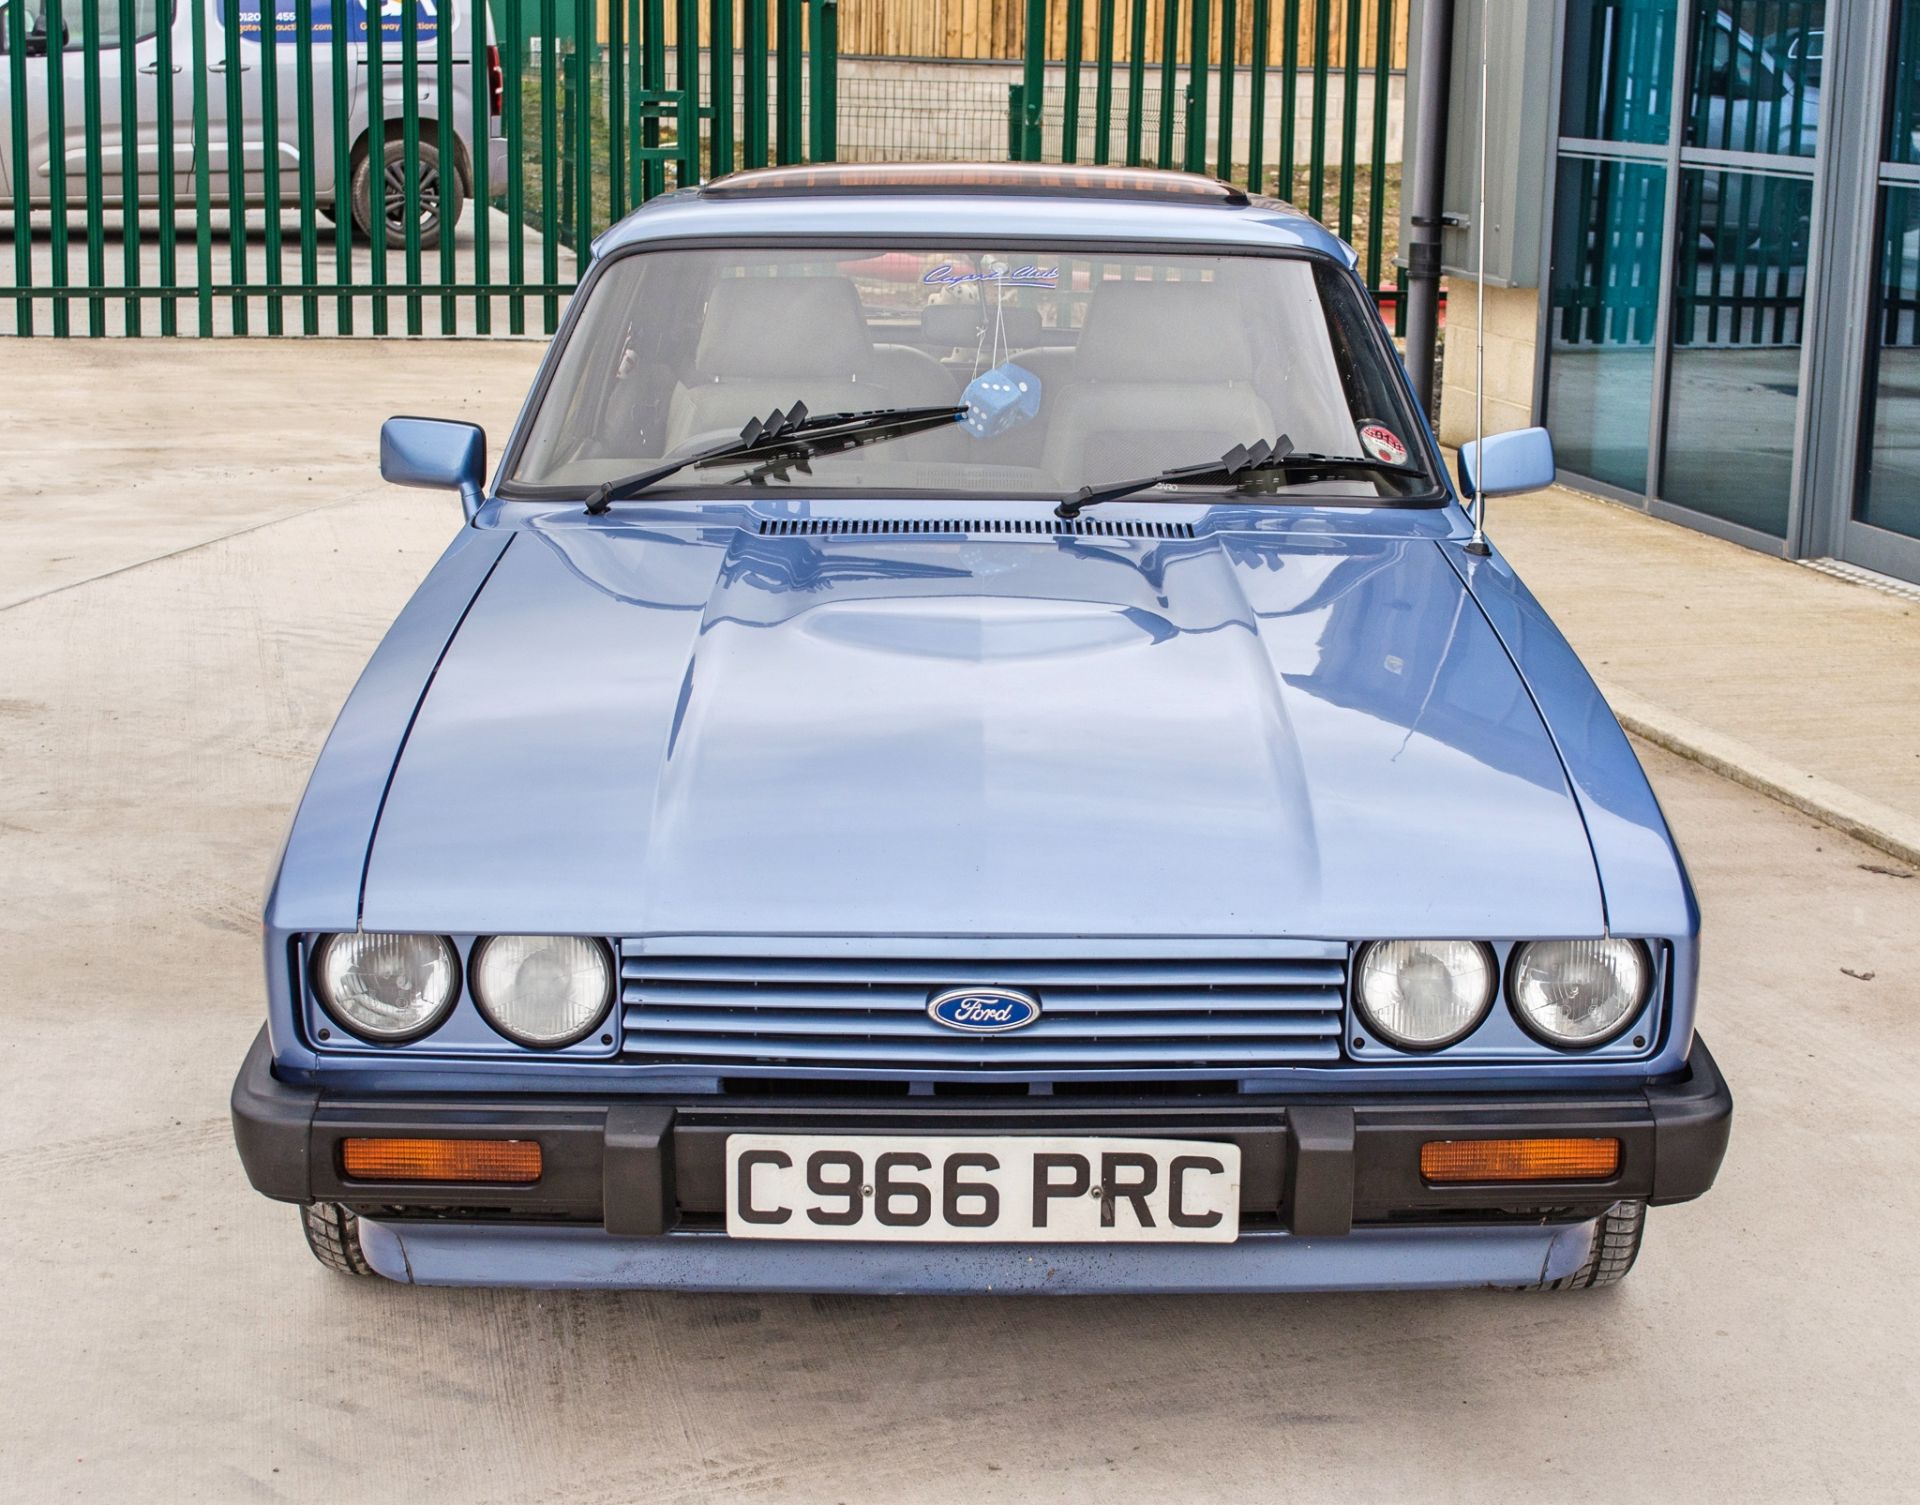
{"points": [[995, 30]]}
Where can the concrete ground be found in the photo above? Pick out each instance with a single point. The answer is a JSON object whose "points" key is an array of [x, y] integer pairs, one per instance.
{"points": [[170, 658], [1789, 679]]}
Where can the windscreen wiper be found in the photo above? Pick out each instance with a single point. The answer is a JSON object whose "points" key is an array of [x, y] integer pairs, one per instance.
{"points": [[783, 439], [1241, 463]]}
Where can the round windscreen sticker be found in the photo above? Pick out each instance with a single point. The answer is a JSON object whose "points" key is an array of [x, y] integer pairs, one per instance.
{"points": [[1383, 444]]}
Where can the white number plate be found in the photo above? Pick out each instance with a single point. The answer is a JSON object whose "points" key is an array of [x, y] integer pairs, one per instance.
{"points": [[941, 1189]]}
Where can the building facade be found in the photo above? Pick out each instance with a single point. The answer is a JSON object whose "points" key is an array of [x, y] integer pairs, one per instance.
{"points": [[1724, 302]]}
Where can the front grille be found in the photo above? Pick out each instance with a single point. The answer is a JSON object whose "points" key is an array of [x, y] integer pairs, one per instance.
{"points": [[1041, 527], [742, 1014]]}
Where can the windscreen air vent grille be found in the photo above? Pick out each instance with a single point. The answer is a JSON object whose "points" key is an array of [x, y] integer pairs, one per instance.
{"points": [[1023, 527]]}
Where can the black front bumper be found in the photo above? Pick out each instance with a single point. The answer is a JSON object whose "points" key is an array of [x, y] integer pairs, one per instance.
{"points": [[1310, 1165]]}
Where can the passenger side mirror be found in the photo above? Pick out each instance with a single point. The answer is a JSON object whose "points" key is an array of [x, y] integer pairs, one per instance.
{"points": [[1506, 464], [437, 453]]}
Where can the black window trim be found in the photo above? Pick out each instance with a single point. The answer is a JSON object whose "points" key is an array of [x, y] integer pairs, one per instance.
{"points": [[165, 12]]}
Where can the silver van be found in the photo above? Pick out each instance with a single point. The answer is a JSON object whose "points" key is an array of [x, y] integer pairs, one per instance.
{"points": [[441, 194]]}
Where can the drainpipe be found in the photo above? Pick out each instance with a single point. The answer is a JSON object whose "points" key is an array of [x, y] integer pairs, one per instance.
{"points": [[1427, 166]]}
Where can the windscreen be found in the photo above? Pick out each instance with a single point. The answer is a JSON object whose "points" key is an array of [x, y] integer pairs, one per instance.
{"points": [[1074, 370]]}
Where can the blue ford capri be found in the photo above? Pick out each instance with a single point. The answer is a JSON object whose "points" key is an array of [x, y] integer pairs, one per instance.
{"points": [[969, 743]]}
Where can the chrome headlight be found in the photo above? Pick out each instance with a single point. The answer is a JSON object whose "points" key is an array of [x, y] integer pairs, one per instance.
{"points": [[1421, 995], [543, 990], [1578, 994], [386, 987]]}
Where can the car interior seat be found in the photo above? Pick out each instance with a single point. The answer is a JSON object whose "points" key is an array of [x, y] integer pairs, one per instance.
{"points": [[770, 341], [1163, 375]]}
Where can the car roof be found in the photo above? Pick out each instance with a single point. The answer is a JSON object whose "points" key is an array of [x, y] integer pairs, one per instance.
{"points": [[1017, 201]]}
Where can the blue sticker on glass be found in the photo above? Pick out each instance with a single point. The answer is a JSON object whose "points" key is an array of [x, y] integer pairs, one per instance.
{"points": [[1000, 399], [993, 273]]}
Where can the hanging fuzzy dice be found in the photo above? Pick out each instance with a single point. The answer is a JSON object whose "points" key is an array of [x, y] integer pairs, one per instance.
{"points": [[1000, 399]]}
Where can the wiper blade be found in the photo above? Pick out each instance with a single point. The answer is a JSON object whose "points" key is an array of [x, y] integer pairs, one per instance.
{"points": [[785, 440], [1241, 463]]}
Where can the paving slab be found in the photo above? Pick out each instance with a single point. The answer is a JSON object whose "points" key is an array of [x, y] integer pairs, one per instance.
{"points": [[119, 451], [1809, 683]]}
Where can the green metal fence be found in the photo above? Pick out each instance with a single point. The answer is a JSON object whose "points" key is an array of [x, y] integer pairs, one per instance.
{"points": [[194, 166], [1288, 97]]}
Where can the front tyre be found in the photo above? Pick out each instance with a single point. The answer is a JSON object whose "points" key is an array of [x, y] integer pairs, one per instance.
{"points": [[333, 1234], [1616, 1244]]}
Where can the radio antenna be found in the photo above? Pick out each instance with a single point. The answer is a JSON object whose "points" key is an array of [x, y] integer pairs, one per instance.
{"points": [[1478, 544]]}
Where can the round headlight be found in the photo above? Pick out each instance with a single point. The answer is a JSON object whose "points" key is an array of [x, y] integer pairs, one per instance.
{"points": [[1578, 994], [386, 987], [1421, 995], [543, 990]]}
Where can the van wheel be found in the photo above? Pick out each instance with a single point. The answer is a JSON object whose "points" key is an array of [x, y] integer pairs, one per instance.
{"points": [[437, 208], [333, 1234], [1616, 1244]]}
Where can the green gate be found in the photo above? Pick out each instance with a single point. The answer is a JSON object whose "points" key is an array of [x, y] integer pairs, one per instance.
{"points": [[1294, 98], [167, 172], [194, 166]]}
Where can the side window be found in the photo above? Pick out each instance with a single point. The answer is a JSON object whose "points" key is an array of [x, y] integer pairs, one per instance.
{"points": [[32, 21], [1720, 69], [1369, 384], [146, 20], [1738, 72]]}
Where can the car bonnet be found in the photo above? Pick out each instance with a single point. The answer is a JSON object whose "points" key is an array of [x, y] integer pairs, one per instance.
{"points": [[707, 729]]}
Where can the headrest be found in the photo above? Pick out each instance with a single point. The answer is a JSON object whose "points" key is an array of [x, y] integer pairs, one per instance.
{"points": [[784, 326], [958, 325], [1163, 332]]}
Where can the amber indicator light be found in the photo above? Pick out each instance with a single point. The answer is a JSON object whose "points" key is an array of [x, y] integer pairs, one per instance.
{"points": [[1449, 1160], [513, 1162]]}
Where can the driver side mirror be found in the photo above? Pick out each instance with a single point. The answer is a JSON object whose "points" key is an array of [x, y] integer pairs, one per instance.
{"points": [[1507, 464], [436, 453], [37, 43]]}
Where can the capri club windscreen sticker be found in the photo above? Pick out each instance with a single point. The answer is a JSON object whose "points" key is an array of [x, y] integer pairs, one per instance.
{"points": [[1383, 443]]}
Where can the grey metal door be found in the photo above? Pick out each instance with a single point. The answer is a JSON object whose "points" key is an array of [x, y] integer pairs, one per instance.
{"points": [[58, 39], [236, 67]]}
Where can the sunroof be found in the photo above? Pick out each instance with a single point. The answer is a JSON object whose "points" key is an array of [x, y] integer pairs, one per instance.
{"points": [[983, 178]]}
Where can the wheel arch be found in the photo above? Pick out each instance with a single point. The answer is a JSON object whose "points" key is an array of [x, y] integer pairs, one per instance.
{"points": [[396, 130]]}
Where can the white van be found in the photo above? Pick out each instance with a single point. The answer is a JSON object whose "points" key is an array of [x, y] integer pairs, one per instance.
{"points": [[362, 162]]}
